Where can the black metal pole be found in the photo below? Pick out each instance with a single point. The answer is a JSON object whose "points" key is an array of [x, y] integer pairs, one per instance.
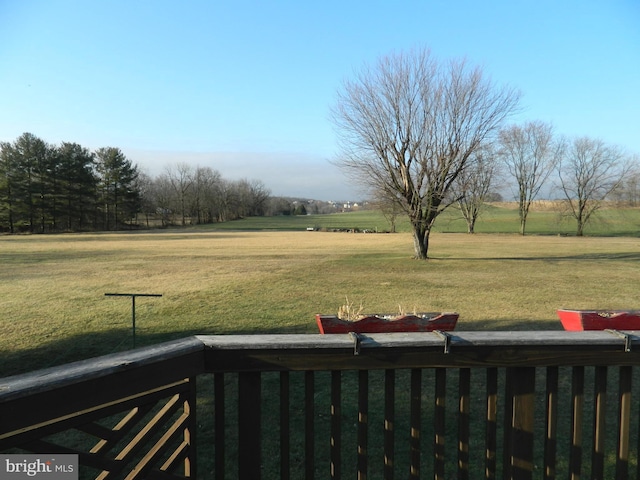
{"points": [[133, 307], [133, 319]]}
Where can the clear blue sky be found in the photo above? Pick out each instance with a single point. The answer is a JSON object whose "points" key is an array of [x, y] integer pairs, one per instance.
{"points": [[245, 87]]}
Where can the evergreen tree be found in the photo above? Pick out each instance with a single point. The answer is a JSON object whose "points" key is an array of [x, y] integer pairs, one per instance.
{"points": [[77, 185], [117, 180], [7, 187], [31, 161]]}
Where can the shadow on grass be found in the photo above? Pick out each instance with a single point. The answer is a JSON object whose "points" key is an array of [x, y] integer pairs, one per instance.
{"points": [[92, 344], [619, 256]]}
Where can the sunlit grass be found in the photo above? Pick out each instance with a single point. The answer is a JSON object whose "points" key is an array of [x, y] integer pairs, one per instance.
{"points": [[545, 218], [54, 309]]}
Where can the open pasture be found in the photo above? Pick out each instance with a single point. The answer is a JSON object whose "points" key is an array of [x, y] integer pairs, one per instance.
{"points": [[54, 309]]}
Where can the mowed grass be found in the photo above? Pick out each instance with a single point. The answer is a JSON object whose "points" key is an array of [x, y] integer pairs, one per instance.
{"points": [[545, 218], [219, 282]]}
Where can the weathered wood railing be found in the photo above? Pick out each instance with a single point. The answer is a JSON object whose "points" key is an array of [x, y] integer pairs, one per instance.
{"points": [[466, 404]]}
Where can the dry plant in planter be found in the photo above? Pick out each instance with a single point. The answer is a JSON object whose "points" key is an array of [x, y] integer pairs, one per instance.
{"points": [[351, 319]]}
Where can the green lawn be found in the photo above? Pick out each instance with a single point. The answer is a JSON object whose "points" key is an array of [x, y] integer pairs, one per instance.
{"points": [[214, 281], [223, 280], [542, 220]]}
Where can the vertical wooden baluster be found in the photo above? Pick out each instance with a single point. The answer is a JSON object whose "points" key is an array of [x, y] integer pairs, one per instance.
{"points": [[577, 415], [464, 402], [522, 390], [414, 441], [285, 424], [336, 424], [439, 423], [491, 435], [190, 432], [363, 423], [389, 422], [507, 447], [219, 419], [249, 425], [638, 447], [551, 419], [309, 425], [599, 423], [624, 425]]}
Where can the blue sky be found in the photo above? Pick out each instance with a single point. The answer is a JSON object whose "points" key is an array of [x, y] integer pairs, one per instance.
{"points": [[245, 87]]}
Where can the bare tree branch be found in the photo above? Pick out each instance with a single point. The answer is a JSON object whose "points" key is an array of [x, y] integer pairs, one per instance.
{"points": [[530, 153], [588, 173], [409, 125]]}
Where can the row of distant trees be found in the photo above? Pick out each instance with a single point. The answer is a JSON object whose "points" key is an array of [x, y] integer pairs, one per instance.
{"points": [[185, 194], [67, 187], [424, 135], [582, 173]]}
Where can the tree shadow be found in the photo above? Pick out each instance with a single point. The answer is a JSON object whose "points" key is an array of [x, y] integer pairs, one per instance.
{"points": [[619, 256], [94, 344], [88, 345]]}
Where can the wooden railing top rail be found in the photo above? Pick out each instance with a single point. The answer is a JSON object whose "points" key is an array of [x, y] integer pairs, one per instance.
{"points": [[15, 387], [79, 388], [415, 350], [323, 352]]}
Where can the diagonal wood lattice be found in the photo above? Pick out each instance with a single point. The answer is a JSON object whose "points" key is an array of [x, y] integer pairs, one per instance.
{"points": [[146, 435]]}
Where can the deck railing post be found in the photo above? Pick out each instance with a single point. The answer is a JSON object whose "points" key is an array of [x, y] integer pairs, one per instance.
{"points": [[219, 424], [519, 446], [389, 422], [249, 422], [309, 425], [336, 425], [363, 424], [415, 409], [551, 424], [491, 439], [624, 423], [439, 414], [577, 416], [599, 422]]}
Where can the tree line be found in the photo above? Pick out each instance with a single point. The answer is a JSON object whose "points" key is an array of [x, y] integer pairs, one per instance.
{"points": [[63, 188], [46, 188], [424, 135], [581, 173]]}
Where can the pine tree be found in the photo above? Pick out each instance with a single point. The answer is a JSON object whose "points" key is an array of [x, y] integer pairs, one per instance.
{"points": [[117, 179]]}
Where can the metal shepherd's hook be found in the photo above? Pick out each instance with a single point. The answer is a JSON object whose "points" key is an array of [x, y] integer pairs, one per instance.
{"points": [[133, 307]]}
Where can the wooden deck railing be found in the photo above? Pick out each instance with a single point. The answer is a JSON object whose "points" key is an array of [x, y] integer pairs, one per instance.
{"points": [[423, 405]]}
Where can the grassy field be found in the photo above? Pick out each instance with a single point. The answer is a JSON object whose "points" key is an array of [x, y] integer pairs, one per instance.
{"points": [[545, 218], [275, 276], [54, 309]]}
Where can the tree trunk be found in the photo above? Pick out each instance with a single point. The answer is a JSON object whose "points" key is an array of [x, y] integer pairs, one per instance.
{"points": [[471, 226], [421, 241], [523, 212]]}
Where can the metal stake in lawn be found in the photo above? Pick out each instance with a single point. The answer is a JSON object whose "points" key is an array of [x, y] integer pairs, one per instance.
{"points": [[133, 307]]}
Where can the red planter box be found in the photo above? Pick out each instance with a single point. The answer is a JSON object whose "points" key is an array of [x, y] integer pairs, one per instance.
{"points": [[576, 320], [427, 322]]}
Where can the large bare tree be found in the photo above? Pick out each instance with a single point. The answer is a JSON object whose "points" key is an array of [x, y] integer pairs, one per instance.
{"points": [[590, 170], [530, 153], [408, 125]]}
